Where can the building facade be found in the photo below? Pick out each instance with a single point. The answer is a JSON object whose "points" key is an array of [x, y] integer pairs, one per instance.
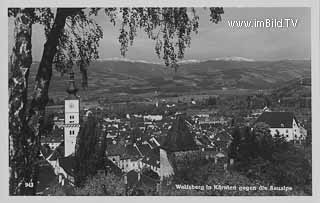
{"points": [[72, 121], [283, 123]]}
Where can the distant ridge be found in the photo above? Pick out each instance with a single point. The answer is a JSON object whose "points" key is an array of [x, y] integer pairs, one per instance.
{"points": [[234, 58], [127, 60], [230, 58], [135, 77], [190, 61]]}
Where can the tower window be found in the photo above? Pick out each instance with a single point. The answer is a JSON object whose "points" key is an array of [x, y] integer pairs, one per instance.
{"points": [[71, 117]]}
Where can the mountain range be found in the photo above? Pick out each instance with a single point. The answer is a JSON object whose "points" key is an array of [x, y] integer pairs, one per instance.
{"points": [[135, 77]]}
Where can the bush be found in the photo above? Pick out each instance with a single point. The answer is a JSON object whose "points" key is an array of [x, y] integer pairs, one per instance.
{"points": [[258, 155]]}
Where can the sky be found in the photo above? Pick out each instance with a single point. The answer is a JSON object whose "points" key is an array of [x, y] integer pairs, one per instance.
{"points": [[213, 40]]}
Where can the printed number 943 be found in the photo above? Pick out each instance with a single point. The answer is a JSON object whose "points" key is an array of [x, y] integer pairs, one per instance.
{"points": [[29, 184]]}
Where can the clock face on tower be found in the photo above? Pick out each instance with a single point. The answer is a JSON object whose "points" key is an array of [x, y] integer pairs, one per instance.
{"points": [[71, 105]]}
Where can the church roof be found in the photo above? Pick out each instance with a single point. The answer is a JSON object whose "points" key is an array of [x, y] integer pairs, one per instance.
{"points": [[277, 119], [179, 137]]}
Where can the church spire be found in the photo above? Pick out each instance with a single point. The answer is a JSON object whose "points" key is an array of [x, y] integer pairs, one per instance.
{"points": [[72, 89]]}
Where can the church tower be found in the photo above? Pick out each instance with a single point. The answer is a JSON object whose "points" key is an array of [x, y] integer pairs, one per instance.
{"points": [[71, 117]]}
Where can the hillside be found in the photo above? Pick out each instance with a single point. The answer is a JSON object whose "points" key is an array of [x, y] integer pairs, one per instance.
{"points": [[127, 77], [297, 88]]}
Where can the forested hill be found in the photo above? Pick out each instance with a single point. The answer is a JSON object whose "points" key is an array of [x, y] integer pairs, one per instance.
{"points": [[116, 76]]}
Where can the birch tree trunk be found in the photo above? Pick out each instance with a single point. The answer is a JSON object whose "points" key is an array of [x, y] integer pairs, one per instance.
{"points": [[21, 60], [25, 125], [40, 98]]}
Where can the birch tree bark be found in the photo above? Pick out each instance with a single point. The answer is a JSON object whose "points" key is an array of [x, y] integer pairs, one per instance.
{"points": [[25, 125], [21, 60], [35, 119]]}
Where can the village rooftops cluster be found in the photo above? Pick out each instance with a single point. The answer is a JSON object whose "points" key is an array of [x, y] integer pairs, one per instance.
{"points": [[138, 146]]}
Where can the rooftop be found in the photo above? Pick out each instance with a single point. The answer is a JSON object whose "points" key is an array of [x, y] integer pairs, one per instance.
{"points": [[68, 164], [277, 119]]}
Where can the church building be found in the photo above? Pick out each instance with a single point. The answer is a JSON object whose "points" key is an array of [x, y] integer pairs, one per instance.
{"points": [[71, 118]]}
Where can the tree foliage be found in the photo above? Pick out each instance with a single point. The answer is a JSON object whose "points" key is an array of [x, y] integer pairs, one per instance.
{"points": [[72, 37], [274, 160], [102, 185], [170, 28], [78, 44]]}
